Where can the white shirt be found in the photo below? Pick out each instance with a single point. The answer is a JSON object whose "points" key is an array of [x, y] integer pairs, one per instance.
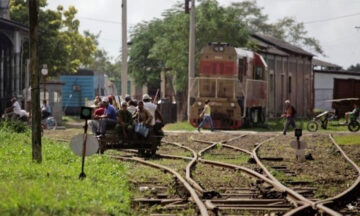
{"points": [[151, 107], [132, 109], [18, 111]]}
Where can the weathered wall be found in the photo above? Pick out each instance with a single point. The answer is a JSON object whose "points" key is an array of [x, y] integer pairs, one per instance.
{"points": [[324, 87], [289, 78]]}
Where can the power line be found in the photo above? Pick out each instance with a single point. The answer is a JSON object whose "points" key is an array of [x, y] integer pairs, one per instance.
{"points": [[104, 21], [101, 20], [330, 19]]}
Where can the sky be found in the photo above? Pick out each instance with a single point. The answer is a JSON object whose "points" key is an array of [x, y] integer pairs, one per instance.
{"points": [[332, 22]]}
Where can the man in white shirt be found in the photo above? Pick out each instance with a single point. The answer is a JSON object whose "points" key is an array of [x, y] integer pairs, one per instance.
{"points": [[149, 106], [16, 109], [132, 107]]}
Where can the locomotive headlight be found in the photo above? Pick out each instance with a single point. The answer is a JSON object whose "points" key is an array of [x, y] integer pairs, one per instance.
{"points": [[232, 105], [199, 103]]}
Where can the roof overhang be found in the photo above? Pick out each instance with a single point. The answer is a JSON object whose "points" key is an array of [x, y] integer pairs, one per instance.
{"points": [[12, 25]]}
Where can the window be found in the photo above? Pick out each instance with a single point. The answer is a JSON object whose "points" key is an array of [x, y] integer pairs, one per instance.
{"points": [[241, 69], [289, 84], [57, 97], [259, 73], [271, 82]]}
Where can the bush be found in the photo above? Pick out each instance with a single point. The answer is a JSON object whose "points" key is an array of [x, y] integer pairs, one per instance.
{"points": [[13, 126]]}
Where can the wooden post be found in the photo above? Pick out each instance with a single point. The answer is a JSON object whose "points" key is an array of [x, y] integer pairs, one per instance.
{"points": [[163, 84], [35, 81]]}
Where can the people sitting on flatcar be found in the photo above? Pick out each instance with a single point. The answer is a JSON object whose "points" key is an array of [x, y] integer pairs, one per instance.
{"points": [[108, 119], [97, 101], [132, 107], [150, 106], [127, 99], [143, 115], [159, 122], [354, 114], [143, 120], [125, 121], [98, 112], [113, 102]]}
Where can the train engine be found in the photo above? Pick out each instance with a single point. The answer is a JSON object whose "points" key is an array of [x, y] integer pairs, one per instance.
{"points": [[233, 79]]}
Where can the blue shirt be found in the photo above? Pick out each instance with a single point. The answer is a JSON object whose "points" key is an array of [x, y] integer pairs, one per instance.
{"points": [[110, 112]]}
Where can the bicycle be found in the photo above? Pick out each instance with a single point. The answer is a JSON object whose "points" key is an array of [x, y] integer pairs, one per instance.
{"points": [[322, 119], [49, 123], [354, 124], [325, 117]]}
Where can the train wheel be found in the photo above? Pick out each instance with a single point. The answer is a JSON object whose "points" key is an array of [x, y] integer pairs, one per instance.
{"points": [[312, 126], [354, 126]]}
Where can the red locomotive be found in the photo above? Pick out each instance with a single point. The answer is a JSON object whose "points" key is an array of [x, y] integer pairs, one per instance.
{"points": [[234, 80]]}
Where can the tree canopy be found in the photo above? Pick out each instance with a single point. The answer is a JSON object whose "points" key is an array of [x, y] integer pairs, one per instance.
{"points": [[163, 43], [354, 68], [61, 46]]}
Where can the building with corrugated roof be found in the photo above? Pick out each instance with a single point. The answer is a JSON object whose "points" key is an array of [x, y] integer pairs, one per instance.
{"points": [[331, 82]]}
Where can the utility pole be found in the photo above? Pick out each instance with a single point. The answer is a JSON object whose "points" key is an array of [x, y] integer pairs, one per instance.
{"points": [[35, 81], [191, 72], [124, 51]]}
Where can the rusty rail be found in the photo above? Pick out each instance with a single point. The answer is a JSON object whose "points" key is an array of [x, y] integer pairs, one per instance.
{"points": [[296, 195], [188, 167], [194, 195], [348, 192]]}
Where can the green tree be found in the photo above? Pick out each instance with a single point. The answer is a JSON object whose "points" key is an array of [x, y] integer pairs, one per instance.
{"points": [[164, 42], [61, 46], [103, 63], [286, 28], [354, 68]]}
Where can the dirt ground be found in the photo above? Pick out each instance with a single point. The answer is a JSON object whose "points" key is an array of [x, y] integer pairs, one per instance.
{"points": [[328, 172]]}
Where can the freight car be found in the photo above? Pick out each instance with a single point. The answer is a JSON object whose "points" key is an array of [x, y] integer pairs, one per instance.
{"points": [[233, 79]]}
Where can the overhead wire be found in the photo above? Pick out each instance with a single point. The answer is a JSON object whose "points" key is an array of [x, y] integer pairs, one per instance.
{"points": [[333, 18], [101, 20]]}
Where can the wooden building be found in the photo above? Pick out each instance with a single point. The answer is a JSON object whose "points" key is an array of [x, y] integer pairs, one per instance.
{"points": [[13, 62], [289, 75]]}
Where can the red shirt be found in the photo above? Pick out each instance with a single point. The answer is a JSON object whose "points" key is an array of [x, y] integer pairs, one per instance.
{"points": [[99, 111]]}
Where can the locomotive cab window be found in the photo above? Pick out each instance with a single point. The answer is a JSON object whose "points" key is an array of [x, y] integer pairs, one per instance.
{"points": [[259, 73], [241, 69]]}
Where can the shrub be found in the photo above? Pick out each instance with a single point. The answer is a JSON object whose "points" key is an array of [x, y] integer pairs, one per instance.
{"points": [[14, 126]]}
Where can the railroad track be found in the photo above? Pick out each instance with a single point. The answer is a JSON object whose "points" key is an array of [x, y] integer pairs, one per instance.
{"points": [[329, 206], [233, 200]]}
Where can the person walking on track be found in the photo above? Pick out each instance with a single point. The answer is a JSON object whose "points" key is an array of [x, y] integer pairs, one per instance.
{"points": [[289, 115], [206, 115]]}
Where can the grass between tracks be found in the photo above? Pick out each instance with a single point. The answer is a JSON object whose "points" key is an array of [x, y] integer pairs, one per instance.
{"points": [[353, 139], [53, 187], [329, 173], [270, 125], [184, 125]]}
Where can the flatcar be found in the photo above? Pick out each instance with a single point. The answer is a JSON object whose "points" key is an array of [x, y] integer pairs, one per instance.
{"points": [[145, 146], [233, 79]]}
